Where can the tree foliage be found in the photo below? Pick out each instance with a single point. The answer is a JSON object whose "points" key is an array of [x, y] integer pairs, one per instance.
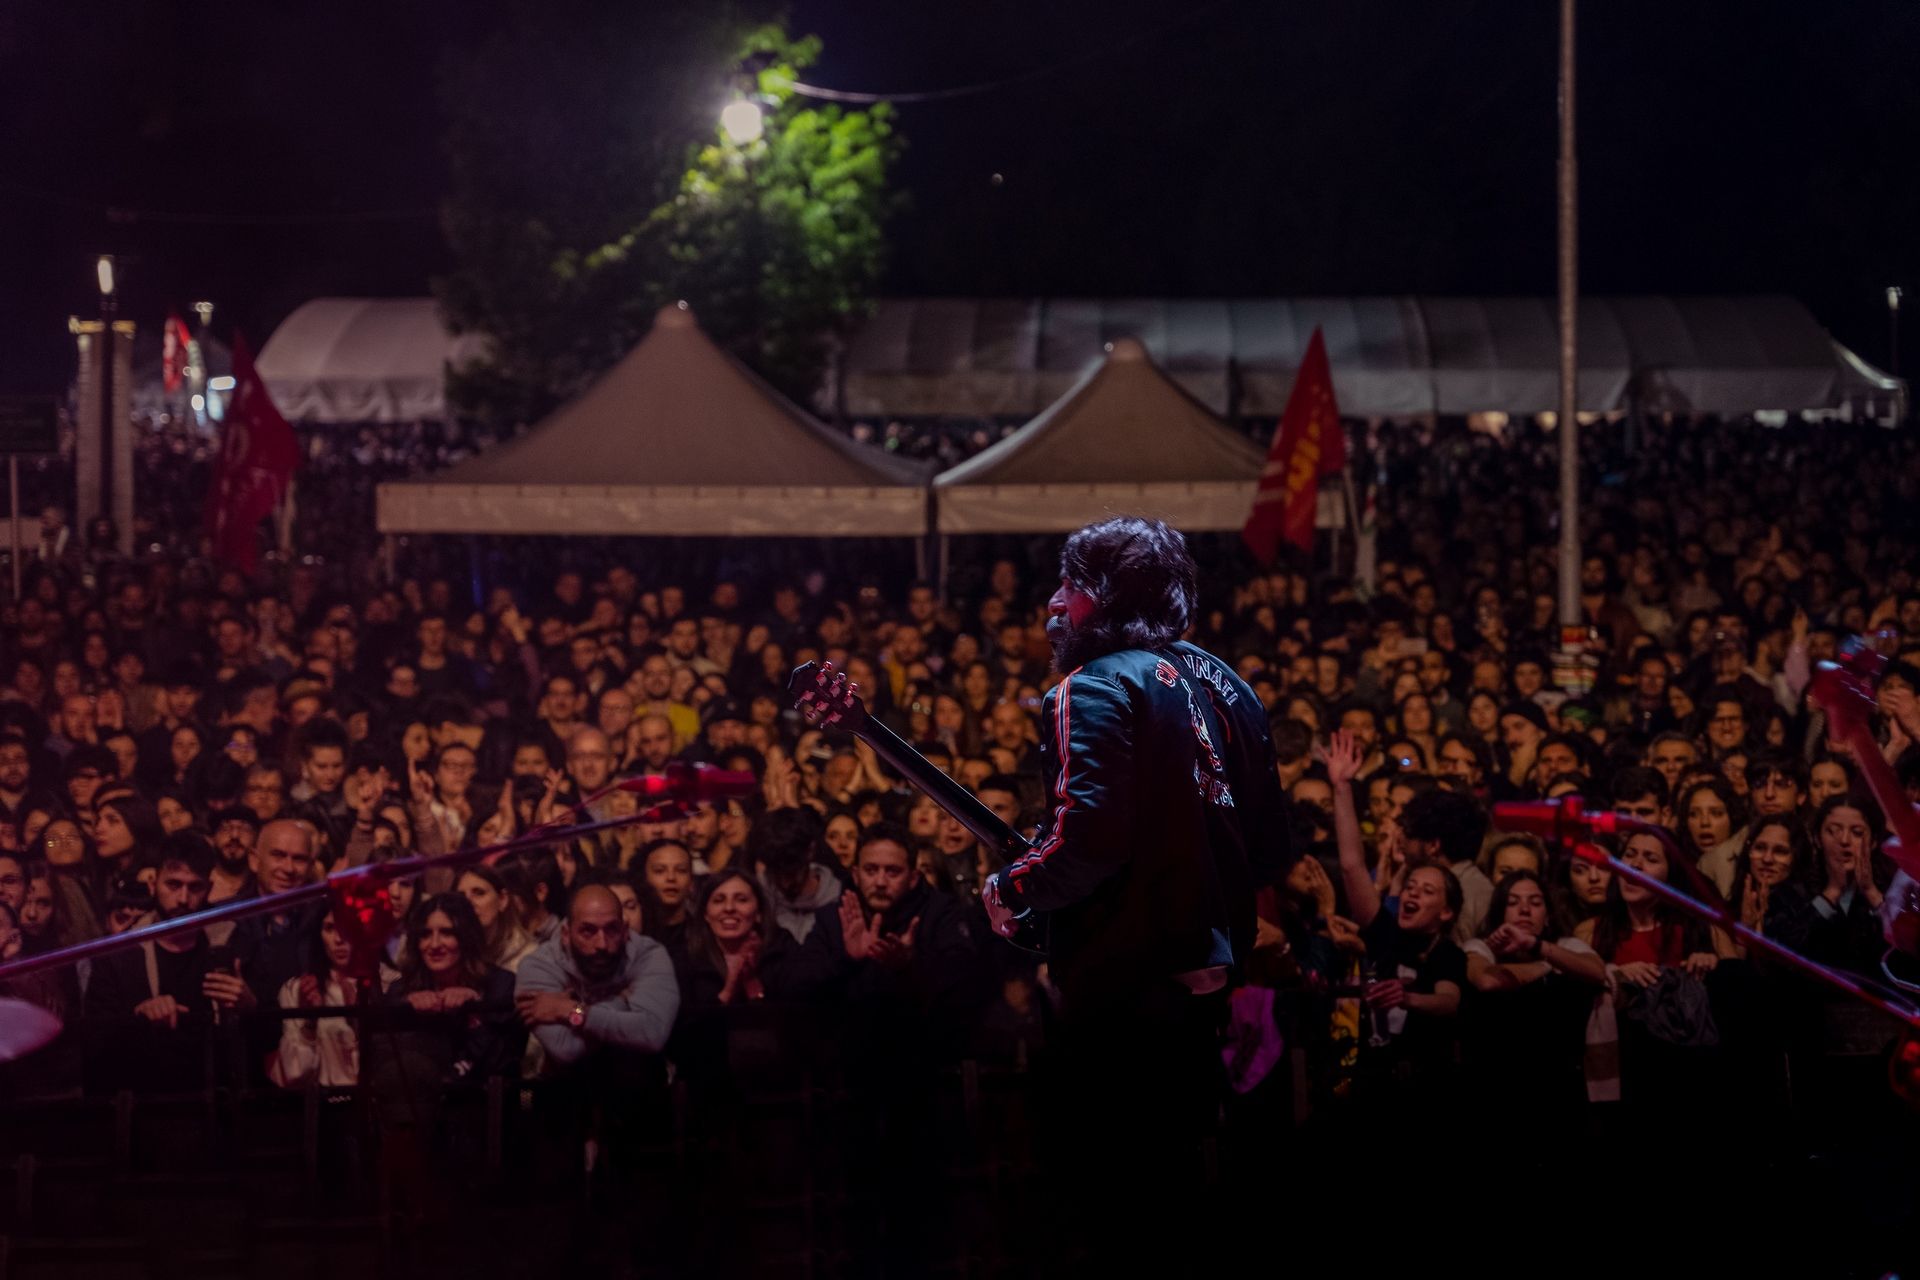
{"points": [[592, 185]]}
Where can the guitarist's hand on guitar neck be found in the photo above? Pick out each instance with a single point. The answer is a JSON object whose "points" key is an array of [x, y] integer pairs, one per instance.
{"points": [[826, 698]]}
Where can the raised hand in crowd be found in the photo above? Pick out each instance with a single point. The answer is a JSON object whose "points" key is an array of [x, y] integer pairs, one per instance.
{"points": [[1317, 886], [363, 794], [549, 809], [780, 785], [1342, 757], [419, 786]]}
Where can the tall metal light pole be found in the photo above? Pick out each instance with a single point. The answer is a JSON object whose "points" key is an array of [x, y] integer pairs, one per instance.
{"points": [[1568, 423], [1894, 295]]}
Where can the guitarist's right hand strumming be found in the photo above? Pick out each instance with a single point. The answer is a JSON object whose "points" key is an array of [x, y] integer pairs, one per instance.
{"points": [[827, 698]]}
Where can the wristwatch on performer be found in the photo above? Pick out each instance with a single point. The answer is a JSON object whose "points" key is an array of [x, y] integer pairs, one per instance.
{"points": [[578, 1018]]}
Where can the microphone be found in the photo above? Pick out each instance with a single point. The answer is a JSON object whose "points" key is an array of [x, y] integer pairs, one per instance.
{"points": [[1564, 822], [691, 784]]}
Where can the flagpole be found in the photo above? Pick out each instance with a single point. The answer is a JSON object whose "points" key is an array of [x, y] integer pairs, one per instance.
{"points": [[1353, 521], [286, 519], [1567, 425]]}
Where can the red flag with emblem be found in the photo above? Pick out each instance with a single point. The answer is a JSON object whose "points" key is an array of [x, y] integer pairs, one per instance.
{"points": [[255, 463], [1309, 444], [176, 346]]}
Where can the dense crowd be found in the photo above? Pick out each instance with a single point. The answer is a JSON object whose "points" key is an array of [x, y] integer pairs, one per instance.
{"points": [[172, 736]]}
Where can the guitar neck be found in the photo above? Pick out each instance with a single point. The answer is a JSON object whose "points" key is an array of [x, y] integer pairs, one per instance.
{"points": [[945, 792], [1882, 782]]}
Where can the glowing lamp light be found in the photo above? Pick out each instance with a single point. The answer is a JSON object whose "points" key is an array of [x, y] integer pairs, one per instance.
{"points": [[104, 269], [223, 383], [742, 122]]}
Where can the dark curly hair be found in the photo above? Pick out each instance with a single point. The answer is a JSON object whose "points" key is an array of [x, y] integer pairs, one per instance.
{"points": [[1142, 578]]}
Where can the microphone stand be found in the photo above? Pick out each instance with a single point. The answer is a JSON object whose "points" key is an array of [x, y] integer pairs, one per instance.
{"points": [[1570, 819], [347, 885]]}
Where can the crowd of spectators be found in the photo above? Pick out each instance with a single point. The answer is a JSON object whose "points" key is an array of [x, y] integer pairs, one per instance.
{"points": [[173, 736]]}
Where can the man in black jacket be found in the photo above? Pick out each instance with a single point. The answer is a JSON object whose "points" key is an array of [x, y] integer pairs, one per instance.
{"points": [[895, 957], [1167, 815]]}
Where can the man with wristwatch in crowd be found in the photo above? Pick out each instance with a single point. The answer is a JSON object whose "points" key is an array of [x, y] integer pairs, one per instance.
{"points": [[596, 988], [600, 1000]]}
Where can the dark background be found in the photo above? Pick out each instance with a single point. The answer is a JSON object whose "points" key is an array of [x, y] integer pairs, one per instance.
{"points": [[260, 154]]}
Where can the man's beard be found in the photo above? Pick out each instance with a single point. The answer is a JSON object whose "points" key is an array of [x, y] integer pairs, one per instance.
{"points": [[600, 967], [1073, 647]]}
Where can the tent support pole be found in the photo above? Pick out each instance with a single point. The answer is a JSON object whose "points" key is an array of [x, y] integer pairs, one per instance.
{"points": [[941, 569], [474, 576]]}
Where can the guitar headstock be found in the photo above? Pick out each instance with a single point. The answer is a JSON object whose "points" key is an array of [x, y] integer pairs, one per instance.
{"points": [[826, 697], [1845, 689]]}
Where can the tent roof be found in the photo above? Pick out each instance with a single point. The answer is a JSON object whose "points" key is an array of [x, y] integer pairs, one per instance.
{"points": [[1126, 438], [677, 438], [1391, 356], [363, 360]]}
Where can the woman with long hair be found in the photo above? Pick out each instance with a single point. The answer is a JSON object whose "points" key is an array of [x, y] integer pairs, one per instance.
{"points": [[77, 879], [1770, 877], [1713, 828], [730, 938], [126, 833], [1525, 939], [1483, 716], [1413, 719], [323, 1050], [467, 1028], [1581, 885], [1644, 939], [1535, 982], [507, 942], [1638, 933], [1847, 878]]}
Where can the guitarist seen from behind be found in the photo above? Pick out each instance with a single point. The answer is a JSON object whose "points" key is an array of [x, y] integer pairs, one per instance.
{"points": [[1166, 815]]}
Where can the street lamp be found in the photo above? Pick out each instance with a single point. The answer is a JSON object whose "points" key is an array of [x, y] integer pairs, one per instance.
{"points": [[743, 122], [103, 269]]}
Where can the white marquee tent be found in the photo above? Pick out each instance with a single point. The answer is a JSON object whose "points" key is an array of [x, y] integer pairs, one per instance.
{"points": [[1392, 357], [363, 360], [678, 438], [1127, 439]]}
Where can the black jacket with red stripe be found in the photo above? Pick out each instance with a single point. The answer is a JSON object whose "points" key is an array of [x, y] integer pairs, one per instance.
{"points": [[1167, 816]]}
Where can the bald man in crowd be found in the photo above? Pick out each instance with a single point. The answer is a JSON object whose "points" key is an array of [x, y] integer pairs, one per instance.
{"points": [[596, 987]]}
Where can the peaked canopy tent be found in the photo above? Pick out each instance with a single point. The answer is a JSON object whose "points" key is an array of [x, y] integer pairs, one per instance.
{"points": [[1127, 439], [363, 360], [678, 438], [1392, 357]]}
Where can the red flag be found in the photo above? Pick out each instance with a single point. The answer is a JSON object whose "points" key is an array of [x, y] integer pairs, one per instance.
{"points": [[257, 457], [175, 350], [1309, 444]]}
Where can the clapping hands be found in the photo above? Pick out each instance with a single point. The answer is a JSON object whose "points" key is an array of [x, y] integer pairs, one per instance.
{"points": [[864, 938]]}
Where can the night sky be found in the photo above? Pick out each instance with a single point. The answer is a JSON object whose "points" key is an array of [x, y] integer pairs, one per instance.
{"points": [[1246, 147]]}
